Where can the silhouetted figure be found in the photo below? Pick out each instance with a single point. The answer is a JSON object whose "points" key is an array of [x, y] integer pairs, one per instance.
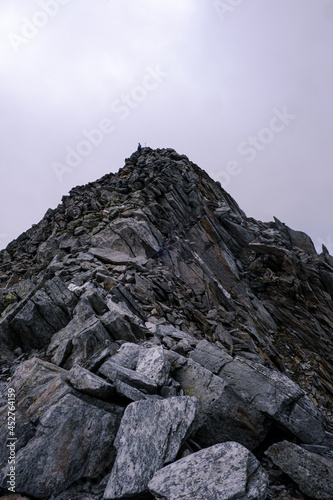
{"points": [[139, 147]]}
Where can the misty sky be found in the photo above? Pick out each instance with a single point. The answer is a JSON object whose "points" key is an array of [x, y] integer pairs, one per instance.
{"points": [[244, 88]]}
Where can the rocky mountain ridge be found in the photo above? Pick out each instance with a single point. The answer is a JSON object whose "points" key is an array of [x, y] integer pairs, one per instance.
{"points": [[149, 293]]}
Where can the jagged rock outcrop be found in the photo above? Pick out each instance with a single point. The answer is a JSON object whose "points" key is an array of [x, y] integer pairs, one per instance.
{"points": [[152, 332]]}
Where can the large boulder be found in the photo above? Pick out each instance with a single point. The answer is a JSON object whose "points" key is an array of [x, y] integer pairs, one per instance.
{"points": [[276, 395], [89, 383], [73, 440], [150, 436], [77, 342], [225, 471], [313, 473], [114, 372], [223, 415]]}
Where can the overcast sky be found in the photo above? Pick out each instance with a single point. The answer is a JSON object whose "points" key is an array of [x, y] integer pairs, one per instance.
{"points": [[244, 88]]}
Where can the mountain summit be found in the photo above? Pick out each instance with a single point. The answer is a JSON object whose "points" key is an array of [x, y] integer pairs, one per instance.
{"points": [[161, 344]]}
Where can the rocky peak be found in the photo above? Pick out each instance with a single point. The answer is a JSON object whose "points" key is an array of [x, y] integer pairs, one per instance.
{"points": [[150, 287]]}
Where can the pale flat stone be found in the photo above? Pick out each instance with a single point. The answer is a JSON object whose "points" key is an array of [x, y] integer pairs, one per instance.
{"points": [[224, 471]]}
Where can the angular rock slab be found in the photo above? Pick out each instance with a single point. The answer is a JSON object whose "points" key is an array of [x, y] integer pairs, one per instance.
{"points": [[152, 363], [116, 372], [150, 435], [313, 473], [274, 394], [224, 471], [73, 440], [224, 415], [85, 381], [77, 342]]}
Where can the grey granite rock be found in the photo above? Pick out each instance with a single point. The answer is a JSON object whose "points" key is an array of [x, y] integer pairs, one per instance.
{"points": [[115, 257], [73, 440], [77, 342], [114, 372], [152, 363], [274, 394], [150, 435], [210, 356], [225, 471], [127, 355], [313, 473], [223, 415], [89, 383]]}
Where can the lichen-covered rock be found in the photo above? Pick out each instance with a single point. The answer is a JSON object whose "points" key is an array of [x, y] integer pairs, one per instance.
{"points": [[225, 471], [313, 473], [150, 435]]}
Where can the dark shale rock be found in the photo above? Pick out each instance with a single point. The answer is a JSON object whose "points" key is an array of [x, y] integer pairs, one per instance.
{"points": [[225, 471], [274, 394], [150, 435]]}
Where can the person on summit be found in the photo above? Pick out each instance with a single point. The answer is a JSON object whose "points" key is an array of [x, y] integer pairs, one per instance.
{"points": [[139, 147]]}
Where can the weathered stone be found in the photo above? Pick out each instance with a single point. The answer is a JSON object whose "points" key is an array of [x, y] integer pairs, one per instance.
{"points": [[150, 435], [274, 394], [152, 363], [38, 385], [50, 311], [129, 391], [225, 471], [97, 300], [73, 440], [313, 473], [127, 356], [115, 257], [97, 359], [116, 372], [85, 381], [76, 343], [31, 329], [121, 323], [210, 356], [132, 237], [223, 414]]}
